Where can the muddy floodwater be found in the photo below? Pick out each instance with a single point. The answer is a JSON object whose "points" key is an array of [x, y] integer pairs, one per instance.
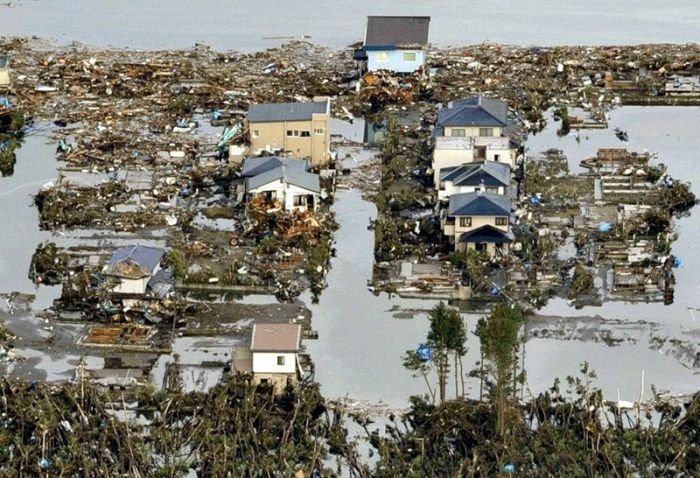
{"points": [[248, 26]]}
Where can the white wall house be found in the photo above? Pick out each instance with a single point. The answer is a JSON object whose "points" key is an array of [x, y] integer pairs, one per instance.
{"points": [[275, 349], [132, 267], [294, 188], [453, 151]]}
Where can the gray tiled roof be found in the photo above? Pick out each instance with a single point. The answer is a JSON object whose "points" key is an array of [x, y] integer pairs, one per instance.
{"points": [[490, 173], [397, 31], [269, 112], [474, 111], [145, 257], [479, 204], [261, 164], [293, 176], [487, 234]]}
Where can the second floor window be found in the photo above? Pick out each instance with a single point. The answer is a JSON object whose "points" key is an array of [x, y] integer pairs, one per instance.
{"points": [[305, 134], [458, 132], [465, 222], [485, 131], [409, 56], [280, 360], [501, 221]]}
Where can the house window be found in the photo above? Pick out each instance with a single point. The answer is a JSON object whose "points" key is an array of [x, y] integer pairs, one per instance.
{"points": [[485, 131], [492, 190], [497, 157], [409, 56], [280, 360], [382, 57], [319, 131], [501, 221], [256, 133], [293, 132], [458, 132], [465, 222], [305, 134]]}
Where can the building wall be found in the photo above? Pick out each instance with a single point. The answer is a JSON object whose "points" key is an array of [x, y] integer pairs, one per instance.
{"points": [[278, 381], [4, 78], [284, 194], [131, 286], [273, 136], [393, 60], [477, 222], [266, 363]]}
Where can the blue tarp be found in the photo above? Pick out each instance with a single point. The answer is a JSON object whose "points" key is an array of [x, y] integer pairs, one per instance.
{"points": [[425, 352], [605, 227], [677, 263]]}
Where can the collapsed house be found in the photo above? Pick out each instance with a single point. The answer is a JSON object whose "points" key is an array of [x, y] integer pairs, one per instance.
{"points": [[133, 269]]}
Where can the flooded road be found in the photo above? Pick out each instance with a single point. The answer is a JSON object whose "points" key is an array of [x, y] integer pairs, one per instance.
{"points": [[245, 26]]}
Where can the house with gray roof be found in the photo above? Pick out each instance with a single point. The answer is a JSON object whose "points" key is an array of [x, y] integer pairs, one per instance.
{"points": [[480, 221], [252, 166], [298, 129], [482, 176], [292, 187], [133, 267], [395, 43], [472, 129]]}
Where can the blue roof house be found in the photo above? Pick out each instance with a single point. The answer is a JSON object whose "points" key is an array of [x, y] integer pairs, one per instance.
{"points": [[133, 267], [396, 44], [480, 221]]}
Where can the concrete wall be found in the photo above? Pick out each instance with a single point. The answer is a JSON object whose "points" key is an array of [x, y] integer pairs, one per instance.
{"points": [[393, 60], [131, 286], [273, 136], [285, 193], [266, 363]]}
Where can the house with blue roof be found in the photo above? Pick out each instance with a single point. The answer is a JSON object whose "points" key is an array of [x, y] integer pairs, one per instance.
{"points": [[296, 129], [481, 176], [132, 268], [472, 129], [479, 221], [395, 43]]}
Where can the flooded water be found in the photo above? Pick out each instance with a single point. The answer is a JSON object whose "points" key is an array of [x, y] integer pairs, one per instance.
{"points": [[163, 24]]}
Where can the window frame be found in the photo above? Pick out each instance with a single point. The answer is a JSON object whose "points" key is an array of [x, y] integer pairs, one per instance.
{"points": [[462, 132], [465, 221], [501, 220], [281, 359], [487, 132], [410, 54]]}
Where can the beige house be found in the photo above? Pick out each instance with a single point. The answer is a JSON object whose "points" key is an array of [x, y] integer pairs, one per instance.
{"points": [[297, 129], [470, 130], [479, 221], [5, 81], [275, 349]]}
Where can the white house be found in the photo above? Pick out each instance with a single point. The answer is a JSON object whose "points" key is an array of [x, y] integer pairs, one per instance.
{"points": [[133, 267], [482, 176], [395, 43], [472, 129], [293, 187], [275, 349], [5, 81]]}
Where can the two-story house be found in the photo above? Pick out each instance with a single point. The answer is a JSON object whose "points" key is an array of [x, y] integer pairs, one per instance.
{"points": [[479, 220], [275, 349], [299, 129], [395, 43], [472, 129], [482, 176]]}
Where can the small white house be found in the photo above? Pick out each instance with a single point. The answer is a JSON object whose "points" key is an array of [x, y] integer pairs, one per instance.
{"points": [[133, 267], [293, 187], [275, 349]]}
